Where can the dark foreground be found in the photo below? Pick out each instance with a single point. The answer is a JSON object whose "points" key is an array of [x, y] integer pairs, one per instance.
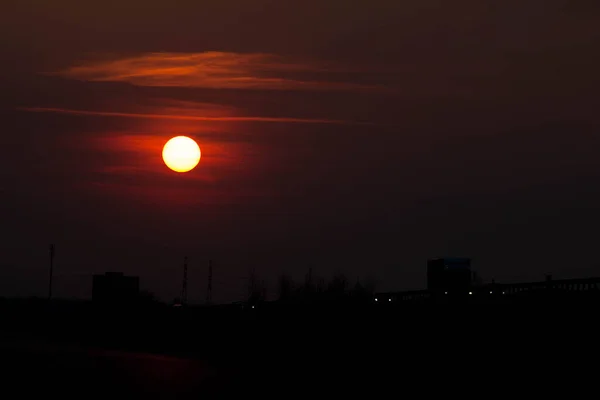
{"points": [[534, 351]]}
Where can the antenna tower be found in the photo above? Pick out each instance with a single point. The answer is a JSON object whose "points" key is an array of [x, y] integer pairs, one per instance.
{"points": [[209, 289], [184, 285], [51, 271]]}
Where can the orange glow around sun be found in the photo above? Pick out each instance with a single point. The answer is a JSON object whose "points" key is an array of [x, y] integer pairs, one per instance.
{"points": [[181, 154]]}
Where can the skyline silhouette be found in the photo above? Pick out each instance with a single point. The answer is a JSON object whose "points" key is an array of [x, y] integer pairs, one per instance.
{"points": [[442, 275]]}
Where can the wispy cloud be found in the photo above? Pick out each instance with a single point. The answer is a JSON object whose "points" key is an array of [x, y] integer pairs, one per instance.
{"points": [[215, 70], [189, 117]]}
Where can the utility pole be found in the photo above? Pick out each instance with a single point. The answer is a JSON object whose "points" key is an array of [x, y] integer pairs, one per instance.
{"points": [[51, 271], [184, 286], [209, 289]]}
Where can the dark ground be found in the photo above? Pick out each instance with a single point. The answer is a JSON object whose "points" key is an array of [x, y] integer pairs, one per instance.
{"points": [[518, 351]]}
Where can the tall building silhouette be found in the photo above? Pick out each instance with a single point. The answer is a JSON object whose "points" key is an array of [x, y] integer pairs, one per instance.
{"points": [[449, 274]]}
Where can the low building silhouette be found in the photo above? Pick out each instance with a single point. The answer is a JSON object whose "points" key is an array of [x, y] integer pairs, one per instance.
{"points": [[115, 288], [544, 291]]}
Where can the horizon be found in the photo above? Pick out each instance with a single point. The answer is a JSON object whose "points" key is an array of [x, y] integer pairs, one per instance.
{"points": [[271, 284]]}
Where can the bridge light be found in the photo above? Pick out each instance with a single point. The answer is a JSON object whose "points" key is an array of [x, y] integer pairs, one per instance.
{"points": [[470, 293]]}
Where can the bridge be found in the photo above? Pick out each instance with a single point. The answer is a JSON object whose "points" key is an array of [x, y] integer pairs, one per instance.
{"points": [[548, 288]]}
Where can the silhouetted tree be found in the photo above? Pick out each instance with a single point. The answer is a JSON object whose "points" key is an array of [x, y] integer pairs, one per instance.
{"points": [[319, 290], [147, 298], [286, 288], [361, 293], [369, 285], [337, 287], [256, 289], [321, 287]]}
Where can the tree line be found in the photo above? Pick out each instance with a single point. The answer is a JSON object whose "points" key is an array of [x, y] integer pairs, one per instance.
{"points": [[313, 289]]}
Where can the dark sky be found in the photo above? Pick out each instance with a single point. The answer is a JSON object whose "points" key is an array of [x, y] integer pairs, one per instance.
{"points": [[359, 137]]}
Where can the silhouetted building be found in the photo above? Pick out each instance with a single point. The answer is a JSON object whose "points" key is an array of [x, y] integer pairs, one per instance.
{"points": [[449, 274], [115, 288]]}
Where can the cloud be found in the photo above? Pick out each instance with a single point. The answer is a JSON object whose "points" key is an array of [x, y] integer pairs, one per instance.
{"points": [[190, 117], [216, 70]]}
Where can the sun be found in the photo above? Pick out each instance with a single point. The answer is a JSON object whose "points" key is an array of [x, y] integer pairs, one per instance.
{"points": [[181, 154]]}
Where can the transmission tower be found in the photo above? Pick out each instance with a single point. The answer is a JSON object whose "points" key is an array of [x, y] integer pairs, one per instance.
{"points": [[209, 289], [184, 285], [51, 271]]}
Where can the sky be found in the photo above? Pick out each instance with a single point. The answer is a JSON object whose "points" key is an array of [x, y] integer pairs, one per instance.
{"points": [[348, 137]]}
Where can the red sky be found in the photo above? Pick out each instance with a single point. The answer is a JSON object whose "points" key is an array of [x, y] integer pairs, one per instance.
{"points": [[361, 137]]}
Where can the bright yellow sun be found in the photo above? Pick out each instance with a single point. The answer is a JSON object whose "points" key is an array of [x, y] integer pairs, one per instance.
{"points": [[181, 154]]}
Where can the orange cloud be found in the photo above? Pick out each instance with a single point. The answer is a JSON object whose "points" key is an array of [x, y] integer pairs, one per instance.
{"points": [[214, 70], [189, 117]]}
